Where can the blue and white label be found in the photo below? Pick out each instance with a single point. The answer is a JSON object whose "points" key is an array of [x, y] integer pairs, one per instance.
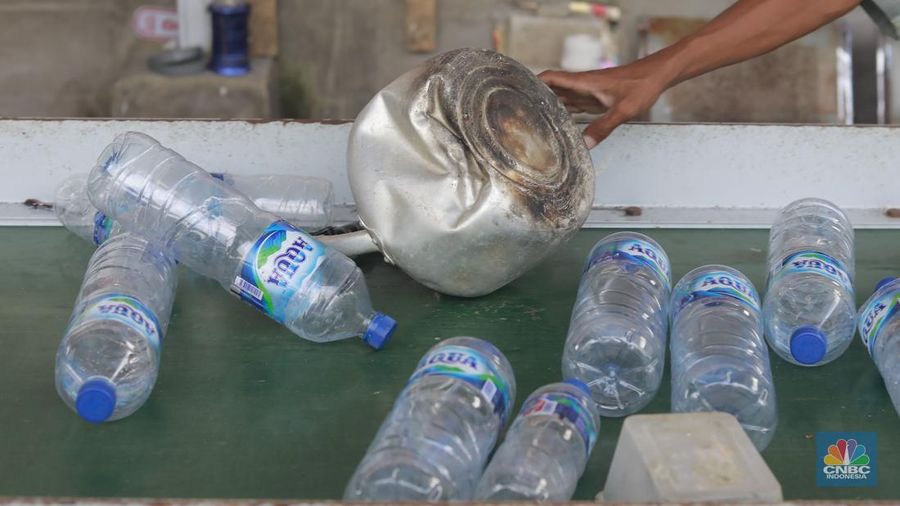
{"points": [[637, 251], [103, 225], [815, 263], [717, 284], [567, 407], [276, 267], [469, 365], [874, 315], [124, 309]]}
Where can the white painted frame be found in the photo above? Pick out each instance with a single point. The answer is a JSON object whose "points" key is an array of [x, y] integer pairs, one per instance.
{"points": [[683, 175]]}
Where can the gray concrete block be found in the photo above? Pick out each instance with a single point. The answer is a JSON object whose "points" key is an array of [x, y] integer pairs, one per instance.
{"points": [[56, 56], [145, 94], [60, 57], [336, 55]]}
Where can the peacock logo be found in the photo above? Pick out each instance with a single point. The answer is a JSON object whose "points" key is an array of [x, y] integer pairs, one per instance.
{"points": [[847, 459], [846, 452]]}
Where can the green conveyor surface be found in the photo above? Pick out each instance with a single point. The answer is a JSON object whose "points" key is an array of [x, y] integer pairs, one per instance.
{"points": [[244, 409]]}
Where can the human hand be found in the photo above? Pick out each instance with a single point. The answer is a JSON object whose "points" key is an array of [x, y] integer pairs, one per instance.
{"points": [[620, 94]]}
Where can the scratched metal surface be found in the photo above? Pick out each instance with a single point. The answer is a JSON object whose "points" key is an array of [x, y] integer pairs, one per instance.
{"points": [[243, 409]]}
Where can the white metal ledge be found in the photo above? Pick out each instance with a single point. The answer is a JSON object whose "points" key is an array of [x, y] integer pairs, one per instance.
{"points": [[691, 175]]}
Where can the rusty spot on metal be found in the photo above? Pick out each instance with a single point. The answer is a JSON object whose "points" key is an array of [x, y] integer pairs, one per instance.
{"points": [[513, 124], [37, 204], [633, 211], [893, 212], [526, 138]]}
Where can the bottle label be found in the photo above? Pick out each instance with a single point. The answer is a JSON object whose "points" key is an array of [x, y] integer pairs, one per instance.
{"points": [[276, 267], [875, 314], [125, 309], [472, 367], [717, 284], [634, 250], [103, 225], [816, 263], [568, 407]]}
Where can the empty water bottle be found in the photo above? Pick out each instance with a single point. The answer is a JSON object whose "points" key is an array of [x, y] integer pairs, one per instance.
{"points": [[879, 326], [810, 312], [617, 335], [720, 361], [304, 202], [546, 448], [315, 291], [75, 211], [108, 359], [436, 440]]}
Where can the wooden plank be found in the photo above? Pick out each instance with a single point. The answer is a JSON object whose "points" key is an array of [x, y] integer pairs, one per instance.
{"points": [[421, 25], [264, 28]]}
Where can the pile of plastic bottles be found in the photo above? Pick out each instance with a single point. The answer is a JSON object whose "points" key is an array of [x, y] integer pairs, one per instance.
{"points": [[149, 210], [434, 443]]}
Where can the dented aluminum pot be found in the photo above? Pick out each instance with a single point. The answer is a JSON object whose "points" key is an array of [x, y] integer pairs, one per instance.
{"points": [[467, 172]]}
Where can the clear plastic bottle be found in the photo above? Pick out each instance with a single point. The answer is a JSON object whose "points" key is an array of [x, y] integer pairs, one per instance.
{"points": [[74, 210], [108, 359], [305, 202], [810, 307], [437, 438], [617, 334], [546, 449], [315, 291], [720, 361], [879, 326]]}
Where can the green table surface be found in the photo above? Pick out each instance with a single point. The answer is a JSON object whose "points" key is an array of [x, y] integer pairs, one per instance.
{"points": [[244, 409]]}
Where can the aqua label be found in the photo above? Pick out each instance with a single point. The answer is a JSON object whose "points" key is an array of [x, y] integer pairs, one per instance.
{"points": [[469, 365], [567, 407], [276, 267]]}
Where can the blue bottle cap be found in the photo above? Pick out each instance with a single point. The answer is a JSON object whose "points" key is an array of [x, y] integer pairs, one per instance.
{"points": [[808, 345], [379, 332], [884, 282], [577, 383], [96, 400]]}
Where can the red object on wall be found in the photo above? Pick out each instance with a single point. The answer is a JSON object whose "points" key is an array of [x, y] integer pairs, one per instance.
{"points": [[155, 23]]}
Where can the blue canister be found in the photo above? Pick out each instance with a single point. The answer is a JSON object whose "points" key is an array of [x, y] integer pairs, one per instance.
{"points": [[230, 44]]}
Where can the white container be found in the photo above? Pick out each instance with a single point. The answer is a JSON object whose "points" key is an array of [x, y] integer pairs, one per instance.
{"points": [[680, 458]]}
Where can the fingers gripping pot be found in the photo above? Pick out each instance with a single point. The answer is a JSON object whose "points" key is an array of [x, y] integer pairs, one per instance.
{"points": [[467, 172]]}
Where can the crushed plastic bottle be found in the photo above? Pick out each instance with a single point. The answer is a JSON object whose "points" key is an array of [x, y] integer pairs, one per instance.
{"points": [[617, 335], [305, 202], [315, 291], [437, 438], [74, 210], [720, 361], [546, 449]]}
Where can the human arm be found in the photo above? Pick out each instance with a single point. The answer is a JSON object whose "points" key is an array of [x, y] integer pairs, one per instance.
{"points": [[747, 29]]}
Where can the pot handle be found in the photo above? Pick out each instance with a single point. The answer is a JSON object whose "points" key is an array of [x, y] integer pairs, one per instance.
{"points": [[351, 244]]}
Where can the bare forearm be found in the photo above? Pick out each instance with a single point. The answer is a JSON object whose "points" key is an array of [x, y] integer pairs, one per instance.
{"points": [[747, 29]]}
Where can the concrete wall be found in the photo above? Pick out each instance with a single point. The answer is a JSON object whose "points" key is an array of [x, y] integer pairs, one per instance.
{"points": [[59, 57], [336, 54]]}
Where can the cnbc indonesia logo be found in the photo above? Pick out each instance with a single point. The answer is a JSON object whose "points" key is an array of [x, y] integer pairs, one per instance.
{"points": [[847, 461]]}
